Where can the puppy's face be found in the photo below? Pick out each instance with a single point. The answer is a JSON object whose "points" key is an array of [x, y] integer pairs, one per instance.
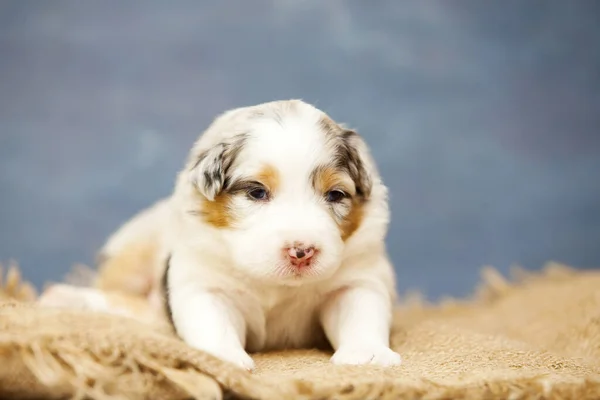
{"points": [[286, 186]]}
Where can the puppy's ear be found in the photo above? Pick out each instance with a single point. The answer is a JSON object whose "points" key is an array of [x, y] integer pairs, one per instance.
{"points": [[352, 155], [209, 173]]}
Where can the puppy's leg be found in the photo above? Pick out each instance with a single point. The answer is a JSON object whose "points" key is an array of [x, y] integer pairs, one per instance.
{"points": [[204, 316], [209, 322], [357, 322], [74, 297], [87, 298]]}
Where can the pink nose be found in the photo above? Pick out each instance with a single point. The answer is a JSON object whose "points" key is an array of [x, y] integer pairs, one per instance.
{"points": [[301, 254]]}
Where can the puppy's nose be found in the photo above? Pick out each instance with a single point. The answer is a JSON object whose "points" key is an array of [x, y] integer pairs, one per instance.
{"points": [[301, 253]]}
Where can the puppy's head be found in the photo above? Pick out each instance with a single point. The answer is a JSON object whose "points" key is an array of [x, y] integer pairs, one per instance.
{"points": [[286, 187]]}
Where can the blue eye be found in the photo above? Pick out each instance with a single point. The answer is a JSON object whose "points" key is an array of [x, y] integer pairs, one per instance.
{"points": [[258, 194], [335, 196]]}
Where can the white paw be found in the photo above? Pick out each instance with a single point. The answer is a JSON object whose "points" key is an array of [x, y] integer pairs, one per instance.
{"points": [[235, 356], [365, 354], [67, 296]]}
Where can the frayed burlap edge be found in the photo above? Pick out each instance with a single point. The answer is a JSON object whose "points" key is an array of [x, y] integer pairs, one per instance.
{"points": [[56, 365], [12, 287], [492, 287], [58, 370], [63, 370]]}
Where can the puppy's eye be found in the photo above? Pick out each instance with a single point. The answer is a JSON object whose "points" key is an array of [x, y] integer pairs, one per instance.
{"points": [[258, 194], [335, 196]]}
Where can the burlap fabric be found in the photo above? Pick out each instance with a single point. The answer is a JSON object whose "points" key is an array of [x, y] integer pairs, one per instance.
{"points": [[537, 337]]}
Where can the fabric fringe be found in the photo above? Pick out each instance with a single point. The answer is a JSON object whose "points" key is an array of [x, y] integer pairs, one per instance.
{"points": [[12, 286], [54, 366], [84, 374]]}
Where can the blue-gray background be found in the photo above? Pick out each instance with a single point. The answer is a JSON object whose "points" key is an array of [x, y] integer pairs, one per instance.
{"points": [[484, 117]]}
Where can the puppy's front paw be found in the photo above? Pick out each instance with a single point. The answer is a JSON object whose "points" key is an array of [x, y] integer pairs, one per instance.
{"points": [[365, 354], [235, 356]]}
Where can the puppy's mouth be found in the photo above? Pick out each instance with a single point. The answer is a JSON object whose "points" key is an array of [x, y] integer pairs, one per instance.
{"points": [[299, 272], [300, 266]]}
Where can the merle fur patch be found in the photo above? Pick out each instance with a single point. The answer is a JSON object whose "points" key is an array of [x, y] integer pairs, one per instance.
{"points": [[346, 155], [211, 170]]}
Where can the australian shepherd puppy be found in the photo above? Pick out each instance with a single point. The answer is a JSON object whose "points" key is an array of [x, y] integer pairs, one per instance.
{"points": [[273, 238]]}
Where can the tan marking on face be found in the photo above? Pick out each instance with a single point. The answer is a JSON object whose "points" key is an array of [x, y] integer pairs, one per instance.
{"points": [[353, 220], [328, 178], [269, 176], [218, 212]]}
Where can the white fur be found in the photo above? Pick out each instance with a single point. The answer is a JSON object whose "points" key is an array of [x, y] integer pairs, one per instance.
{"points": [[82, 298], [232, 292]]}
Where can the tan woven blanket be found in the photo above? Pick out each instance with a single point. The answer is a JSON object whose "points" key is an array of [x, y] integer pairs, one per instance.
{"points": [[537, 337]]}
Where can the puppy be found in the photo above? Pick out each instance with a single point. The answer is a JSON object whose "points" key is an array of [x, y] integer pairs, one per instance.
{"points": [[273, 238]]}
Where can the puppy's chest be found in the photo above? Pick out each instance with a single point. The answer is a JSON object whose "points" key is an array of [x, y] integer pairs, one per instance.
{"points": [[292, 318]]}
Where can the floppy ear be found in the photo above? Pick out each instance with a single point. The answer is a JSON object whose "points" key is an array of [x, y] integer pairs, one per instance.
{"points": [[351, 155], [209, 173]]}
